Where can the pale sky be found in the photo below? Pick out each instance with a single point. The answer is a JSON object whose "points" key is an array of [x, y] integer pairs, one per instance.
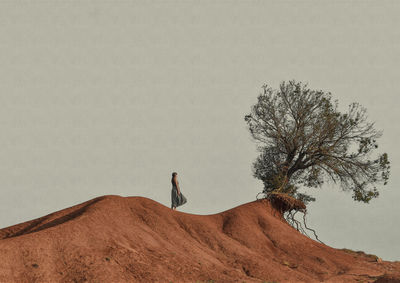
{"points": [[111, 97]]}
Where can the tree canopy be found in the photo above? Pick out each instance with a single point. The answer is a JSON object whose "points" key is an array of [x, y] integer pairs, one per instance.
{"points": [[304, 140]]}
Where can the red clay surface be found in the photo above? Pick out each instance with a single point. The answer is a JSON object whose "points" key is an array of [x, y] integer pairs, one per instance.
{"points": [[136, 239]]}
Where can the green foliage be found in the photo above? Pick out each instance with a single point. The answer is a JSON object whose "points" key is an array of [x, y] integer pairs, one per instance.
{"points": [[304, 140]]}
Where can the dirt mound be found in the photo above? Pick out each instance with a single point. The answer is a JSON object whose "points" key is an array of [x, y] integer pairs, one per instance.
{"points": [[136, 239]]}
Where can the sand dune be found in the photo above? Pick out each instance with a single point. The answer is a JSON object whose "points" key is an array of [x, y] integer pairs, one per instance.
{"points": [[136, 239]]}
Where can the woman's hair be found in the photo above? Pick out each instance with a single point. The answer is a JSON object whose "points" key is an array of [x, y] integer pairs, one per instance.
{"points": [[173, 180]]}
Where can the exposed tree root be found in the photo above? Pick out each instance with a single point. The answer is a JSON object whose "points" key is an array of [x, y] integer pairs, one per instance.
{"points": [[288, 206]]}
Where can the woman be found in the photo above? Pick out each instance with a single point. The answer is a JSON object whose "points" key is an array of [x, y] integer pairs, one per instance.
{"points": [[177, 198]]}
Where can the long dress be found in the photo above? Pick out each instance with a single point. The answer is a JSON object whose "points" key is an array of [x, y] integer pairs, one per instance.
{"points": [[175, 199]]}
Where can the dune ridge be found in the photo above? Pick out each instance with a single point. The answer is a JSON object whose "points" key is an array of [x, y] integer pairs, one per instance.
{"points": [[135, 239]]}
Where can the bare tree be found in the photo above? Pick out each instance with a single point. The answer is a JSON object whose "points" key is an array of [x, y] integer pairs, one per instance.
{"points": [[304, 140]]}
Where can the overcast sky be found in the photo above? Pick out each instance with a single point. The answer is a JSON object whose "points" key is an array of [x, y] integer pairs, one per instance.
{"points": [[111, 97]]}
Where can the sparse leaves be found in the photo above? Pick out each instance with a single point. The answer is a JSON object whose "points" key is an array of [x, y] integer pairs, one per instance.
{"points": [[304, 140]]}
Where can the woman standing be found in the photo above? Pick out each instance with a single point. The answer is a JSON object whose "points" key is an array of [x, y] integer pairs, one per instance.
{"points": [[177, 198]]}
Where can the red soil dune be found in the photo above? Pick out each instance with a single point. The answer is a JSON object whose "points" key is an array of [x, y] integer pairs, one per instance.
{"points": [[136, 239]]}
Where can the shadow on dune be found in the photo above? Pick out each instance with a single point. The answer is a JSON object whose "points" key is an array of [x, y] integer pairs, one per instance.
{"points": [[46, 222]]}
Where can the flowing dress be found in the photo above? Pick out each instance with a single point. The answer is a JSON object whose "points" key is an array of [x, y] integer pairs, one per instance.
{"points": [[175, 199]]}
